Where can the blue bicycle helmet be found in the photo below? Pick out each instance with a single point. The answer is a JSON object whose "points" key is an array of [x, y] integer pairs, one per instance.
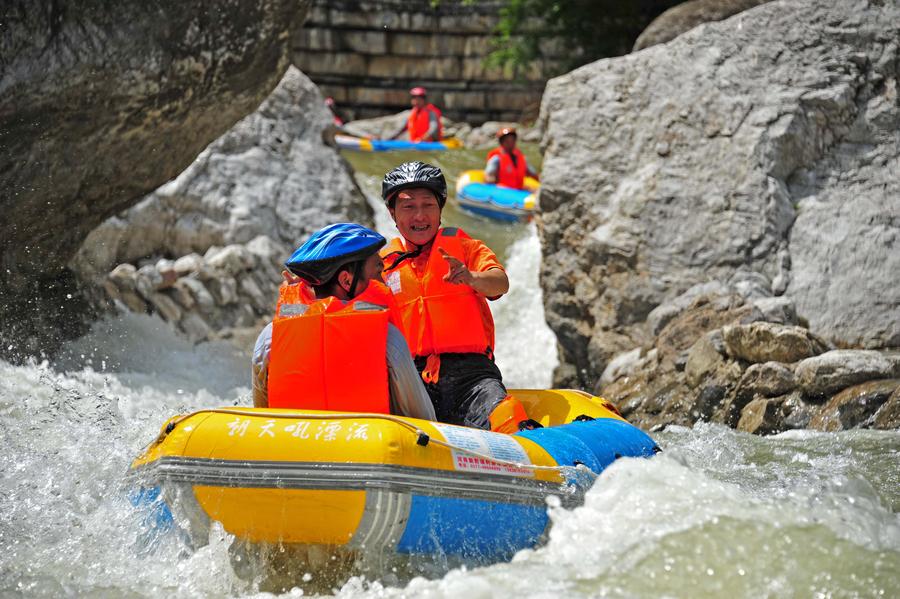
{"points": [[328, 249]]}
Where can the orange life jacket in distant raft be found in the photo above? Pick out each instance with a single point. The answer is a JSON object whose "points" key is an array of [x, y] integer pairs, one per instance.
{"points": [[329, 354], [437, 316], [419, 120], [510, 174]]}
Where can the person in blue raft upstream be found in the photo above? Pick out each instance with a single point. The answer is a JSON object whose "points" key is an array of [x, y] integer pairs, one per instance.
{"points": [[333, 344], [506, 165]]}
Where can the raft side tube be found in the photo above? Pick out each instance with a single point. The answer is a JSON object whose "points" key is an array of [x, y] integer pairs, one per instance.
{"points": [[594, 444], [381, 482]]}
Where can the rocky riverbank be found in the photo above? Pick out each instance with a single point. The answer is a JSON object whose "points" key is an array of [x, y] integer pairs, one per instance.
{"points": [[740, 357], [205, 251], [756, 155]]}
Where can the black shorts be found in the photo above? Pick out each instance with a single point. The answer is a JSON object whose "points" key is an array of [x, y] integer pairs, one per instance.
{"points": [[468, 389]]}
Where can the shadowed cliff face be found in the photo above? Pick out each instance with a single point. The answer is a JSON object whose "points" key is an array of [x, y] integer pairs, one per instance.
{"points": [[101, 103]]}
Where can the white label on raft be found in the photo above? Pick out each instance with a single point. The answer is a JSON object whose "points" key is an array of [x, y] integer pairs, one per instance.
{"points": [[494, 445]]}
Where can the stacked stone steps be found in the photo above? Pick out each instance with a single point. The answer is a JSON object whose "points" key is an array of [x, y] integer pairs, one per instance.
{"points": [[367, 55]]}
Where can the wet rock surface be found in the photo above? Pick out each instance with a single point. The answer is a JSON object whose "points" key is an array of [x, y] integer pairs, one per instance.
{"points": [[855, 406], [206, 250], [100, 105], [709, 162], [888, 416]]}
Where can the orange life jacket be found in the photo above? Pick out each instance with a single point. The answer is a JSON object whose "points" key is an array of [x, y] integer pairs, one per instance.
{"points": [[437, 316], [509, 174], [330, 355], [419, 120]]}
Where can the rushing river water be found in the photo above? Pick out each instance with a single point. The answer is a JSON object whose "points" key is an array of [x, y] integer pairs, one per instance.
{"points": [[718, 514]]}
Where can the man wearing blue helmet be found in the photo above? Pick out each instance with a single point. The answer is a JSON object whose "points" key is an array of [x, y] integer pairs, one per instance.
{"points": [[332, 343]]}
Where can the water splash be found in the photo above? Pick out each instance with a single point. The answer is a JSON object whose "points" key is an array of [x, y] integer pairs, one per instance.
{"points": [[719, 512], [526, 347]]}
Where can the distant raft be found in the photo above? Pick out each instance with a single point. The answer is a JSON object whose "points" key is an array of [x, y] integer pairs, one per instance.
{"points": [[494, 201], [377, 482], [348, 142]]}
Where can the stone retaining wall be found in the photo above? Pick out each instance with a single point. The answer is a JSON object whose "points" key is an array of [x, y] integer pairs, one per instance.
{"points": [[204, 296], [368, 54]]}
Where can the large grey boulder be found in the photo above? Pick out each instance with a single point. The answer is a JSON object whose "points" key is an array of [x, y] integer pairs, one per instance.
{"points": [[690, 162], [688, 15], [845, 243], [100, 103], [271, 175], [230, 220]]}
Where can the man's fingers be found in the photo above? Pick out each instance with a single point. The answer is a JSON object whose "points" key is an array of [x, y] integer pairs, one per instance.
{"points": [[458, 271], [458, 276], [454, 261]]}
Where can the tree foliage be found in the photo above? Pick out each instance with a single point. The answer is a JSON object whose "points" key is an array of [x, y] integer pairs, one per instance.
{"points": [[564, 34]]}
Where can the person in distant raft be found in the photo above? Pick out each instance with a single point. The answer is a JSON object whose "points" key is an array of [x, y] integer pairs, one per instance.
{"points": [[335, 115], [506, 165], [441, 279], [333, 344], [424, 122]]}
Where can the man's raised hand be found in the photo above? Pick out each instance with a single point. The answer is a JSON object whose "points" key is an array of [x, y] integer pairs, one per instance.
{"points": [[458, 274]]}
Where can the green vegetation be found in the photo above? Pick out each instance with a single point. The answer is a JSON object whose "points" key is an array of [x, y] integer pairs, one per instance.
{"points": [[560, 35]]}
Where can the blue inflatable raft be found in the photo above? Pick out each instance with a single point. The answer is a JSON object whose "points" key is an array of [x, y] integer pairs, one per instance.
{"points": [[494, 201]]}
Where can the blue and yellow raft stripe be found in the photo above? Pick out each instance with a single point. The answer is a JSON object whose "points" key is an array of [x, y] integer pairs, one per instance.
{"points": [[360, 144]]}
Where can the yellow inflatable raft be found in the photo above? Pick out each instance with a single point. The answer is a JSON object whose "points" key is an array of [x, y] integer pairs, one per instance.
{"points": [[378, 482]]}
